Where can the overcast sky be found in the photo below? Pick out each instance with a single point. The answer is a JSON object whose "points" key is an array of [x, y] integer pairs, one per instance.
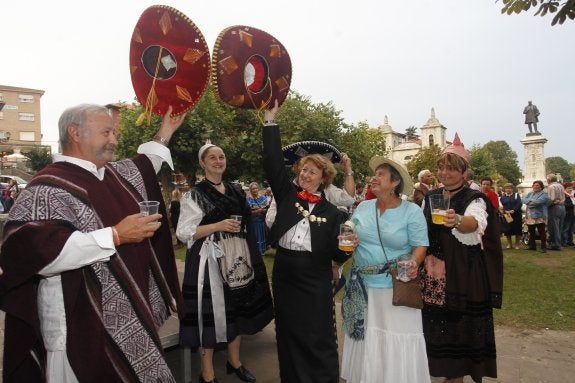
{"points": [[371, 58]]}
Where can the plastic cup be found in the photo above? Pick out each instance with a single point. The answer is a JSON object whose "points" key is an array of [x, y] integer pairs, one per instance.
{"points": [[404, 265], [346, 237], [439, 207], [148, 208]]}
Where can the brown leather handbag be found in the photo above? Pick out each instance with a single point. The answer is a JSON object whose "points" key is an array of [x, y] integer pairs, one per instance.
{"points": [[404, 293]]}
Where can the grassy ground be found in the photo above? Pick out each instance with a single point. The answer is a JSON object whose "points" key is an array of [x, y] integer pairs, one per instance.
{"points": [[538, 292]]}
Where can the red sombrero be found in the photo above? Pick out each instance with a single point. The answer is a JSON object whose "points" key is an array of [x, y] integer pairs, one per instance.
{"points": [[250, 68], [169, 61]]}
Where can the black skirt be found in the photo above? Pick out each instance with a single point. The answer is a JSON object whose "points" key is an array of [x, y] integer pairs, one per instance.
{"points": [[305, 325]]}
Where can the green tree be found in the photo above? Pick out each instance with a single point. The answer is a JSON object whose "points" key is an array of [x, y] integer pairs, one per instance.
{"points": [[301, 120], [361, 143], [505, 161], [558, 165], [209, 119], [572, 172], [483, 164], [425, 159], [38, 158], [237, 132], [563, 10], [411, 133]]}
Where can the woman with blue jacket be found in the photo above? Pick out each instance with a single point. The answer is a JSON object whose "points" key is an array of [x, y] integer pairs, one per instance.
{"points": [[536, 218]]}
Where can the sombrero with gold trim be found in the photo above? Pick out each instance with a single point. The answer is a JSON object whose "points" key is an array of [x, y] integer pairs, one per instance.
{"points": [[293, 152], [250, 68], [169, 61]]}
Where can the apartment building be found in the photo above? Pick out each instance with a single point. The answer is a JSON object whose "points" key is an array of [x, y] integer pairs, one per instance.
{"points": [[20, 126]]}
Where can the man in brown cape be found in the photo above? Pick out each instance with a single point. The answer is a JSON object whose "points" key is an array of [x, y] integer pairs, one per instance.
{"points": [[87, 281]]}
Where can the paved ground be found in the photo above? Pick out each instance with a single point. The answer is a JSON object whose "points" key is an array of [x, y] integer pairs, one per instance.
{"points": [[524, 356]]}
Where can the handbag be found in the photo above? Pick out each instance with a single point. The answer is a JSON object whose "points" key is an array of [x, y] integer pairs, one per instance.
{"points": [[404, 293], [503, 224]]}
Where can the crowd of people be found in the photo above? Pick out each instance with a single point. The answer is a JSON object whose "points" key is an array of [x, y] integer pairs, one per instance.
{"points": [[8, 195], [77, 251]]}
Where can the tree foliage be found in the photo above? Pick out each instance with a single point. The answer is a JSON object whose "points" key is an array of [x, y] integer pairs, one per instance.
{"points": [[425, 159], [505, 162], [238, 133], [411, 133], [38, 158], [361, 143], [483, 164], [563, 10], [558, 165]]}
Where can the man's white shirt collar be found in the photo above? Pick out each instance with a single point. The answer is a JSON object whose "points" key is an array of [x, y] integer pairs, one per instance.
{"points": [[87, 165], [156, 152]]}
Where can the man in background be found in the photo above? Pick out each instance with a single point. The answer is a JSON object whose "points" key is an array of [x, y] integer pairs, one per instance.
{"points": [[469, 178], [359, 197], [425, 184], [555, 211]]}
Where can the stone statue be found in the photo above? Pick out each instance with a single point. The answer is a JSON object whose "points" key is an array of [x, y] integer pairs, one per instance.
{"points": [[531, 116]]}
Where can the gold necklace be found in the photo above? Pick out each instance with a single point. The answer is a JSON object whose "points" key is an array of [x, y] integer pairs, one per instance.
{"points": [[310, 217]]}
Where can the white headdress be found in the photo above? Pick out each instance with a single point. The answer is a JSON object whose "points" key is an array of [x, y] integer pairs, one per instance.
{"points": [[205, 147]]}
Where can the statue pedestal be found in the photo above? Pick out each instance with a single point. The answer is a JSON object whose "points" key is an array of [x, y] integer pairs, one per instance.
{"points": [[534, 165]]}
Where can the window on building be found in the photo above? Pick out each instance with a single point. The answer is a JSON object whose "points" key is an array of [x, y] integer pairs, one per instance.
{"points": [[26, 116], [407, 158], [431, 140], [27, 136], [1, 97], [26, 98]]}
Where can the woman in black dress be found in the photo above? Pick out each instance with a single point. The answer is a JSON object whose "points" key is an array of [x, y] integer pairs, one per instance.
{"points": [[462, 276], [220, 248], [511, 204], [305, 229]]}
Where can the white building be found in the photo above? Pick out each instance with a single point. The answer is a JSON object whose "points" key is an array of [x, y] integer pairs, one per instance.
{"points": [[401, 150]]}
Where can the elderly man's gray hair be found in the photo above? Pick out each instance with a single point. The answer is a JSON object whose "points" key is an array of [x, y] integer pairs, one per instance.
{"points": [[76, 115], [422, 173]]}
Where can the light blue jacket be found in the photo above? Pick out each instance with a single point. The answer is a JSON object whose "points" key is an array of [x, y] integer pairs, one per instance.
{"points": [[536, 204]]}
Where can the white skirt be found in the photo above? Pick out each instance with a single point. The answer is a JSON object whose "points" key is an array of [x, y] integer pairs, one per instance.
{"points": [[393, 349]]}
